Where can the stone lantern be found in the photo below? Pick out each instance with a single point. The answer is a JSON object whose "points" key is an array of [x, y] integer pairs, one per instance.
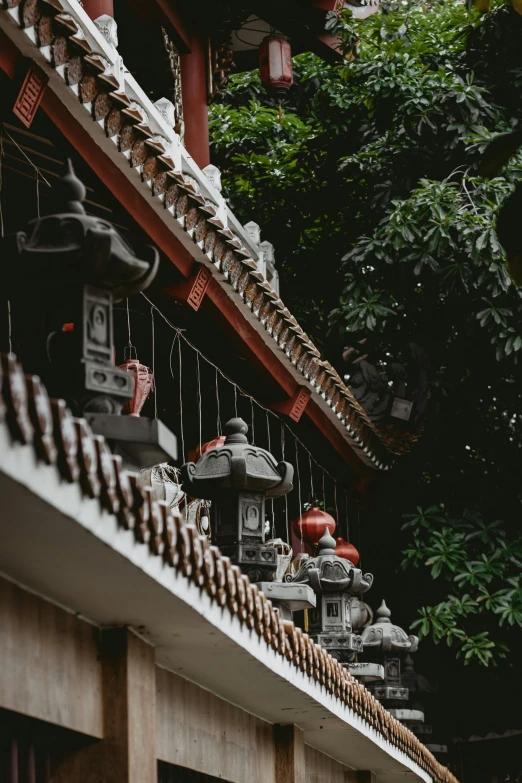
{"points": [[65, 273], [335, 581], [238, 477], [389, 645]]}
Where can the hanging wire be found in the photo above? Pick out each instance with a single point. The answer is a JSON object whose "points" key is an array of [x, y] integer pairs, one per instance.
{"points": [[1, 183], [183, 453], [269, 441], [199, 399], [252, 420], [237, 389], [37, 171], [346, 514], [324, 492], [335, 501], [218, 422], [9, 326], [286, 496], [299, 493], [312, 499], [154, 364]]}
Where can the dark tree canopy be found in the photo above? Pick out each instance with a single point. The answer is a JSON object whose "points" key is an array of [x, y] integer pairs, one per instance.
{"points": [[368, 187]]}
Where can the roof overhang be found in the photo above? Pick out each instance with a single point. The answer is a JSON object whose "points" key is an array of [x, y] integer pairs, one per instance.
{"points": [[331, 407]]}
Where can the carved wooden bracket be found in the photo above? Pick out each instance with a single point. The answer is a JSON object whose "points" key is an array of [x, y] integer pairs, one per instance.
{"points": [[193, 289], [295, 406], [30, 94]]}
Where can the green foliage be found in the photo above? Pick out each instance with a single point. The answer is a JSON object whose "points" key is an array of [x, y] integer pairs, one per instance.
{"points": [[383, 229], [481, 571]]}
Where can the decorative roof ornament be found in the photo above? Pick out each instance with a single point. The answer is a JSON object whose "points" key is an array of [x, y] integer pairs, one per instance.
{"points": [[385, 636], [167, 110], [213, 175], [108, 28]]}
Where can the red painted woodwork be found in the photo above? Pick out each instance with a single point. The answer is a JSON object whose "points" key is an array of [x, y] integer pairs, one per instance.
{"points": [[30, 95], [222, 307], [295, 406], [347, 550], [200, 285], [312, 524], [300, 402], [191, 290], [275, 63], [96, 8], [195, 100]]}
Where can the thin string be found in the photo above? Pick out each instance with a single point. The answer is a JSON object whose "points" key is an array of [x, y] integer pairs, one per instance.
{"points": [[286, 496], [37, 192], [252, 424], [311, 478], [269, 440], [324, 492], [299, 494], [335, 501], [218, 422], [183, 453], [35, 167], [128, 326], [1, 184], [199, 399], [9, 326], [238, 388], [346, 510], [154, 364]]}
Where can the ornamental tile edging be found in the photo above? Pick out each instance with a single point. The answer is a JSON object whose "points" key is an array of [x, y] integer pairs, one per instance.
{"points": [[57, 438]]}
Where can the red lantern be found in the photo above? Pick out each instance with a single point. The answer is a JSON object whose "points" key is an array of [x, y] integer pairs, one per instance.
{"points": [[216, 443], [347, 550], [275, 63], [143, 385], [312, 524]]}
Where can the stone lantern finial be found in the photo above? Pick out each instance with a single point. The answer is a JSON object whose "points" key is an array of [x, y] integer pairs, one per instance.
{"points": [[383, 614], [327, 543], [70, 192]]}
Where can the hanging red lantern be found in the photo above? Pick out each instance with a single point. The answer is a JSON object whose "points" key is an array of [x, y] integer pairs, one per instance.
{"points": [[216, 443], [311, 525], [347, 550], [143, 385], [275, 63]]}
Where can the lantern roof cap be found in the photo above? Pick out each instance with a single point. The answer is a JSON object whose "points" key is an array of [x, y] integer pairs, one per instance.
{"points": [[236, 466], [70, 192], [327, 572], [387, 637]]}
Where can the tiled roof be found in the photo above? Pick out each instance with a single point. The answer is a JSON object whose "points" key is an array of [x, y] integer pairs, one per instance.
{"points": [[73, 46], [48, 427]]}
